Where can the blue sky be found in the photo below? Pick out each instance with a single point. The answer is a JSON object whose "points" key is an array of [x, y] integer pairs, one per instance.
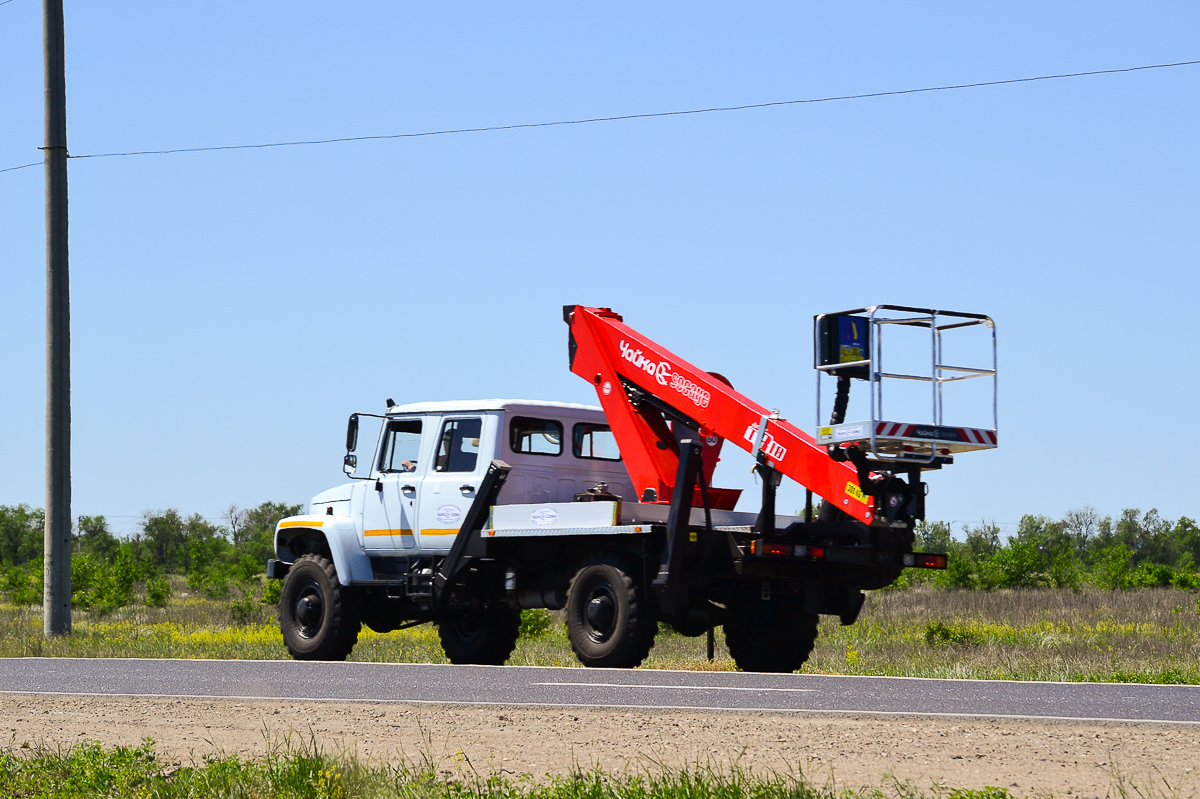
{"points": [[231, 308]]}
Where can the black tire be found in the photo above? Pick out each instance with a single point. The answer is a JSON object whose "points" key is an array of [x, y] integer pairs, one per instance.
{"points": [[319, 617], [483, 637], [609, 622], [773, 635]]}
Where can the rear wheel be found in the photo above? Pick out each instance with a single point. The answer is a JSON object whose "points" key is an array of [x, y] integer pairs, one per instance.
{"points": [[609, 622], [318, 616], [771, 635], [482, 636]]}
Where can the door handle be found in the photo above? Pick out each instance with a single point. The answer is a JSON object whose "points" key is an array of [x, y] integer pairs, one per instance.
{"points": [[408, 488], [466, 488]]}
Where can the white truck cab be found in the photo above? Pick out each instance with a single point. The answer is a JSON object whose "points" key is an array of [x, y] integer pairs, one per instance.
{"points": [[429, 461]]}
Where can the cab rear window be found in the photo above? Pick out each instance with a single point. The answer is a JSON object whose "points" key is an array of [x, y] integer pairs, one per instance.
{"points": [[532, 436], [595, 442]]}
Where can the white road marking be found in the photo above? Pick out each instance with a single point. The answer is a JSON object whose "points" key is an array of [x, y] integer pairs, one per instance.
{"points": [[560, 706], [674, 687]]}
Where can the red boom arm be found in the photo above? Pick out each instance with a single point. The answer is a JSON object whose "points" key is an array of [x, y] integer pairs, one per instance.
{"points": [[611, 355]]}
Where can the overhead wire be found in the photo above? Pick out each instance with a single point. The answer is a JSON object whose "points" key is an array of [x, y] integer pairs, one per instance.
{"points": [[626, 117]]}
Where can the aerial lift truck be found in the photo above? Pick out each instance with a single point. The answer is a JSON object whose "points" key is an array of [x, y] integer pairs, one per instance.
{"points": [[469, 512]]}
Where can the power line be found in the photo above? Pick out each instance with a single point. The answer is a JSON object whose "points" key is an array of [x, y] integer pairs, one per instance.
{"points": [[626, 117], [23, 166]]}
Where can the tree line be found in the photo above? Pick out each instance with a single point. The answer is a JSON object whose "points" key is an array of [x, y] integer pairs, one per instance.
{"points": [[220, 561], [227, 560], [1133, 550]]}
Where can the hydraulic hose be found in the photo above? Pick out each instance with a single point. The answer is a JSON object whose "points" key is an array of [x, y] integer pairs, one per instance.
{"points": [[840, 400]]}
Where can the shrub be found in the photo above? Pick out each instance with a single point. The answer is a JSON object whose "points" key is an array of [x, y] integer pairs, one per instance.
{"points": [[986, 792], [23, 586], [1112, 568], [249, 568], [960, 570], [1019, 565], [535, 622], [271, 592], [245, 610], [938, 632], [1065, 570], [1152, 575], [1186, 580], [158, 591], [83, 580]]}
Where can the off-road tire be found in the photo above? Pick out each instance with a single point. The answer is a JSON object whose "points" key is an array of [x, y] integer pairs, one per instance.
{"points": [[483, 636], [318, 616], [772, 635], [609, 621]]}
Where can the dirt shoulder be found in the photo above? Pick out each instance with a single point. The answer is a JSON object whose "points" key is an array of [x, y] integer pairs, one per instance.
{"points": [[1027, 758]]}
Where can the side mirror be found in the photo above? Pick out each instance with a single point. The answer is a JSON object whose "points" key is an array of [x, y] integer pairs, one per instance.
{"points": [[349, 464], [352, 433]]}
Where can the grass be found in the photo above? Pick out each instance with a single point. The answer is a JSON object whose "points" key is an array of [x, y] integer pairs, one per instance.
{"points": [[91, 770], [1142, 635]]}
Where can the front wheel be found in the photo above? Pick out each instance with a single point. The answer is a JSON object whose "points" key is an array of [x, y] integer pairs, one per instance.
{"points": [[609, 622], [318, 616], [482, 636], [771, 635]]}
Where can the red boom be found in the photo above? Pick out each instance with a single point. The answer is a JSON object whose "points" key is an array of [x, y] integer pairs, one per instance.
{"points": [[610, 355]]}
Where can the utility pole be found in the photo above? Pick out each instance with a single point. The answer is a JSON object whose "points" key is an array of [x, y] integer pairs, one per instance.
{"points": [[57, 581]]}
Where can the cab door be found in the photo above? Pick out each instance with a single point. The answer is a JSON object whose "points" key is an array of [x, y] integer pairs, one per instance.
{"points": [[390, 508], [462, 450]]}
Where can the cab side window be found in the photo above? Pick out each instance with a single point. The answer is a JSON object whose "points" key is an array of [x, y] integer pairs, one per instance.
{"points": [[402, 446], [595, 442], [458, 445], [535, 436]]}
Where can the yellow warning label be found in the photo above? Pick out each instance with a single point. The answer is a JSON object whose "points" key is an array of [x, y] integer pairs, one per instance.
{"points": [[855, 492]]}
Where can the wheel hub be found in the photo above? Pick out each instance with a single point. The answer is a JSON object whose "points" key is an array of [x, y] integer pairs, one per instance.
{"points": [[309, 609], [600, 614]]}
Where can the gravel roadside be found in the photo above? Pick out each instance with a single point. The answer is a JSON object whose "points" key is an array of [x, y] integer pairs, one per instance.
{"points": [[1028, 758]]}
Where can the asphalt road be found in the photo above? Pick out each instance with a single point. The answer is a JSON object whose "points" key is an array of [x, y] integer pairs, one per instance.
{"points": [[602, 688]]}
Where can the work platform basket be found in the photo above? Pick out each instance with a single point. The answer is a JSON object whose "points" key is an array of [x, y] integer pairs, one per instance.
{"points": [[851, 344]]}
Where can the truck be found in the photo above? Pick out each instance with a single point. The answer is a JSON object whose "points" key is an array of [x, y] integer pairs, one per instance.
{"points": [[468, 512]]}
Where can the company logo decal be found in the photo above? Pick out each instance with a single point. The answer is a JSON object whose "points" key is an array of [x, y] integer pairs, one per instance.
{"points": [[770, 447], [544, 517], [666, 375], [449, 514]]}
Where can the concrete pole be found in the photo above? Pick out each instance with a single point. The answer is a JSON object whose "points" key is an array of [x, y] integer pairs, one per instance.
{"points": [[57, 583]]}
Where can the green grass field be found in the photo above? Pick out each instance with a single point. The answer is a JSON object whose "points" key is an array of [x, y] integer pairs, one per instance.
{"points": [[1140, 635], [91, 770]]}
